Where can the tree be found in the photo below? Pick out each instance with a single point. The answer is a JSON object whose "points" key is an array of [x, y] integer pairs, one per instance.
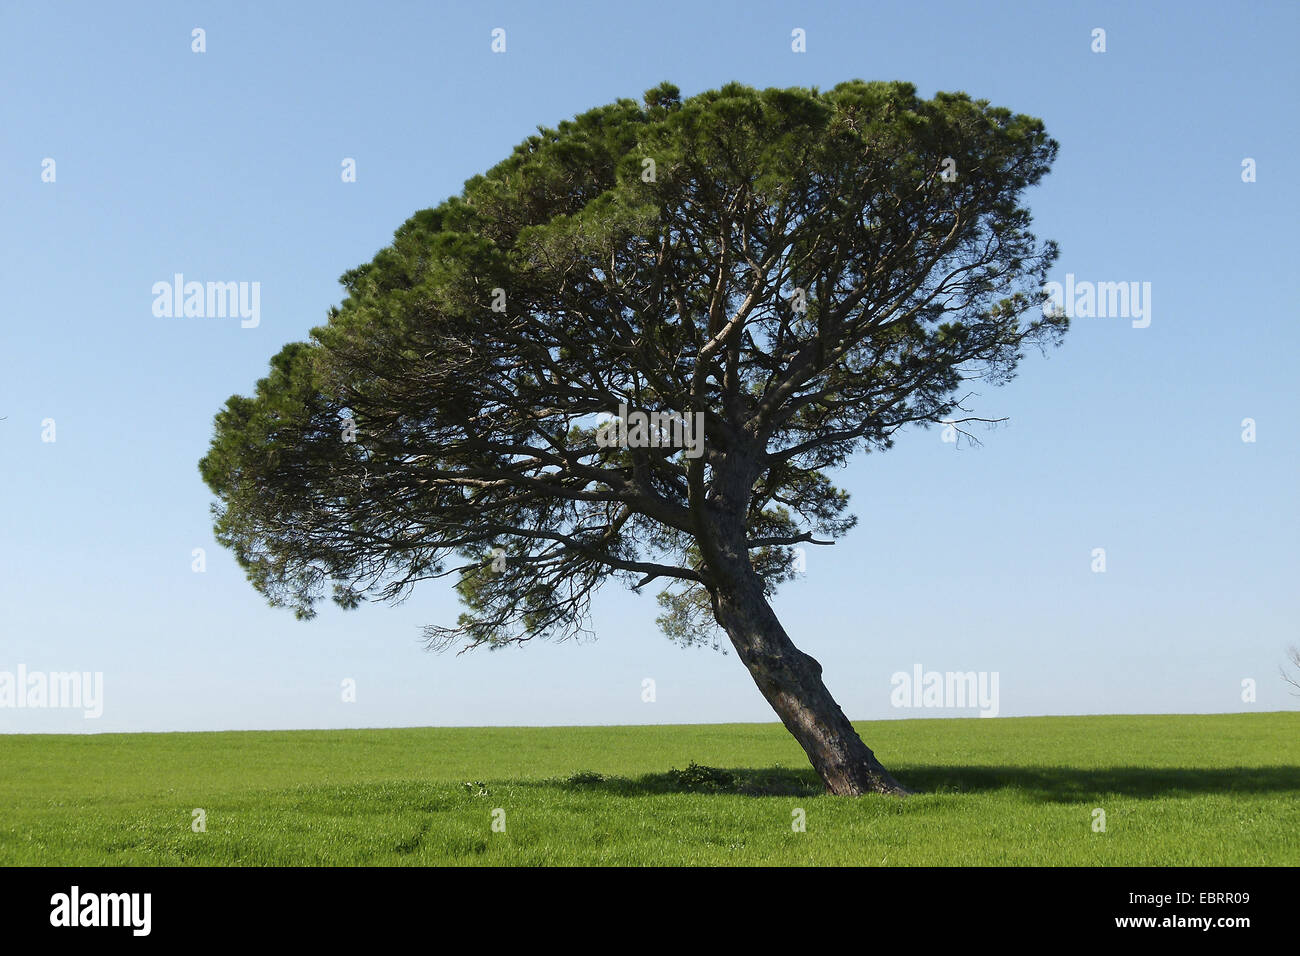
{"points": [[802, 273], [1293, 658]]}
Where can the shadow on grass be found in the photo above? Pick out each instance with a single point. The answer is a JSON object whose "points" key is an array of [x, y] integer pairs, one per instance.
{"points": [[761, 782], [1068, 784], [1053, 784]]}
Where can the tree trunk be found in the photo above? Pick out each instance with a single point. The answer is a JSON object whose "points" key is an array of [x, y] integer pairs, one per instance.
{"points": [[790, 679], [792, 683]]}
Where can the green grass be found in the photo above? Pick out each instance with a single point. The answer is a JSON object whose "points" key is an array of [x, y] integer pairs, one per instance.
{"points": [[1177, 790]]}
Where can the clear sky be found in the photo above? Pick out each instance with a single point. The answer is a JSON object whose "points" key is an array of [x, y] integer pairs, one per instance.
{"points": [[226, 165]]}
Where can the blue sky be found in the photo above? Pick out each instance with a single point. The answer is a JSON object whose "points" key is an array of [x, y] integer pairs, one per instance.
{"points": [[225, 165]]}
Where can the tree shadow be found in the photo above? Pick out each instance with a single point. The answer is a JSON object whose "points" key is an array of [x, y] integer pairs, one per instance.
{"points": [[1049, 784], [745, 781], [1072, 784]]}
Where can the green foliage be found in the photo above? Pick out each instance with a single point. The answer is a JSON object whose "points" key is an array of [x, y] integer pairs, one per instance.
{"points": [[703, 779], [796, 271]]}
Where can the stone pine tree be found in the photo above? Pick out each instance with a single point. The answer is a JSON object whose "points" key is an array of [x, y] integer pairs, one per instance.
{"points": [[802, 272]]}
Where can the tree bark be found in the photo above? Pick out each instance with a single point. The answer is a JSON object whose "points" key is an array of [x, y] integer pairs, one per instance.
{"points": [[791, 682], [789, 679]]}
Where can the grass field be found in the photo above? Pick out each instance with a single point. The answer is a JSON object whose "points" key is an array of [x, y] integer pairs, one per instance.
{"points": [[1217, 789]]}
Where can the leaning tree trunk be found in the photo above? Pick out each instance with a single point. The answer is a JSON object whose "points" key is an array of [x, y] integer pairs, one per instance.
{"points": [[790, 679], [792, 683]]}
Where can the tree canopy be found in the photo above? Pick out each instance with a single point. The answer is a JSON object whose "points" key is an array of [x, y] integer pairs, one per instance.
{"points": [[809, 271]]}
